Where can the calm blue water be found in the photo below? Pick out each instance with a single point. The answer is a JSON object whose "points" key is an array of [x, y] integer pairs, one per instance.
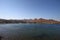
{"points": [[20, 31]]}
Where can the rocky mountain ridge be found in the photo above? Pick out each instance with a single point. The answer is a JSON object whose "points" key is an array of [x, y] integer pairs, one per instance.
{"points": [[41, 20]]}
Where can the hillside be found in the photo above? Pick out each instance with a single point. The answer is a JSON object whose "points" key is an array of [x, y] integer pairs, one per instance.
{"points": [[45, 21]]}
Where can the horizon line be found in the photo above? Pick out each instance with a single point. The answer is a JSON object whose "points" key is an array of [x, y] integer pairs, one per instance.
{"points": [[28, 18]]}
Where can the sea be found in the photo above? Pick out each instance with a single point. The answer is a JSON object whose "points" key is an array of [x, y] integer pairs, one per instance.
{"points": [[26, 31]]}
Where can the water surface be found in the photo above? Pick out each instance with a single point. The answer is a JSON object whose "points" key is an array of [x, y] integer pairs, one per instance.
{"points": [[26, 31]]}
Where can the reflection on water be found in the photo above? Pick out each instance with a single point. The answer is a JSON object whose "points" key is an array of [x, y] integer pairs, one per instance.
{"points": [[29, 31]]}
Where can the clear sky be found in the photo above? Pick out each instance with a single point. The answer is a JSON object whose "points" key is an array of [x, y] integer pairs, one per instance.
{"points": [[20, 9]]}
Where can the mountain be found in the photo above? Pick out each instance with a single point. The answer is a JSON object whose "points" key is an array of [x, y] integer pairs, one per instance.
{"points": [[41, 20]]}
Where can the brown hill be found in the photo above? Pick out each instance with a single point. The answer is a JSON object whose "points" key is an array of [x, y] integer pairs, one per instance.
{"points": [[50, 21]]}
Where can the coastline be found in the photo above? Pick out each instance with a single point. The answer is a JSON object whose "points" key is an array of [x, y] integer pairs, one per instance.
{"points": [[30, 21]]}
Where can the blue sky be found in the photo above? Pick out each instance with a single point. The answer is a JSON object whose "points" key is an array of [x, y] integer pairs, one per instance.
{"points": [[20, 9]]}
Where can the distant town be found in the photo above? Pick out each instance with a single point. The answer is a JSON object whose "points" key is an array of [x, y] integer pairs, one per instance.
{"points": [[40, 20]]}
